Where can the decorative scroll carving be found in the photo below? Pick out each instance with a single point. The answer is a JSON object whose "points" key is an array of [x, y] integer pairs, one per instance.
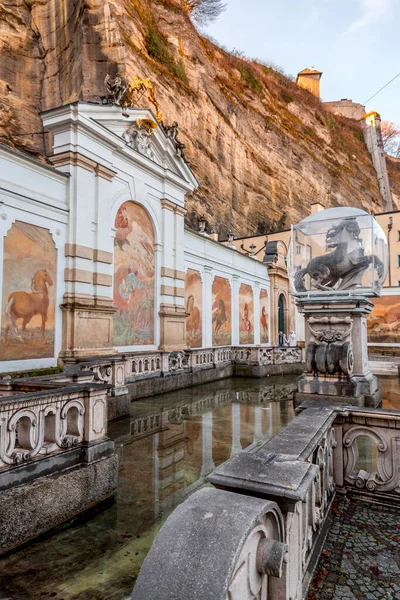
{"points": [[260, 556], [330, 350], [387, 443]]}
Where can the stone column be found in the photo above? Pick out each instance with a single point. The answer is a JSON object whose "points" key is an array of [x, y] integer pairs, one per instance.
{"points": [[207, 310], [256, 304], [172, 307], [235, 309]]}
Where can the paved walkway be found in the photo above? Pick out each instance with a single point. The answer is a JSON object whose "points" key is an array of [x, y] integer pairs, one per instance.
{"points": [[361, 555]]}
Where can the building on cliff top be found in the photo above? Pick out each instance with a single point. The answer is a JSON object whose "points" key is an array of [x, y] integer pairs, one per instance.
{"points": [[309, 79]]}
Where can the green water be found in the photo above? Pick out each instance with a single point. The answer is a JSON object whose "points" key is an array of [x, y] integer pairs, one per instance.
{"points": [[166, 448]]}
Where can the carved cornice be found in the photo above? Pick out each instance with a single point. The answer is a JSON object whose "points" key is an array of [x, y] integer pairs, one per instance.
{"points": [[77, 159]]}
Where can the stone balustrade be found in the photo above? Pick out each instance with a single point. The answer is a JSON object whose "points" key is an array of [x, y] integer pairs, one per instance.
{"points": [[134, 375], [56, 460], [240, 551], [36, 425]]}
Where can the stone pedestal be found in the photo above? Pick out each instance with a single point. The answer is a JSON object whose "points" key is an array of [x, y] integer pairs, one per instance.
{"points": [[337, 351], [87, 326], [172, 328]]}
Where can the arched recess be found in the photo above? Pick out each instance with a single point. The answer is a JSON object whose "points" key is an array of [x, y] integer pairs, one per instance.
{"points": [[134, 276], [282, 313]]}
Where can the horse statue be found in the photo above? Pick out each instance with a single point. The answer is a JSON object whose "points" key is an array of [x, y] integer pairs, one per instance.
{"points": [[25, 305], [193, 319], [344, 267]]}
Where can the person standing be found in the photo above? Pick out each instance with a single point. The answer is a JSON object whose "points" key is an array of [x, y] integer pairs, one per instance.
{"points": [[292, 339], [282, 340]]}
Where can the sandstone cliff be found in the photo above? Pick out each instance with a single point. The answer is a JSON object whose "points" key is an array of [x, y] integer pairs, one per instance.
{"points": [[260, 146]]}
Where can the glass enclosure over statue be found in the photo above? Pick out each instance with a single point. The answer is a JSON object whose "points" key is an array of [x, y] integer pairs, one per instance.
{"points": [[341, 251]]}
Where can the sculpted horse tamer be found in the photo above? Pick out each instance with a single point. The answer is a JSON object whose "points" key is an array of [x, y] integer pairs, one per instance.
{"points": [[25, 305], [343, 268]]}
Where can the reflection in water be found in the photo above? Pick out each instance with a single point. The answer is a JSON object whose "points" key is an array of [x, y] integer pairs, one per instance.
{"points": [[390, 392], [166, 448], [367, 454]]}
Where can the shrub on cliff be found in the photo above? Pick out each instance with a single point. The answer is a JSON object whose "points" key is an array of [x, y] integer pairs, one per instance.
{"points": [[203, 11]]}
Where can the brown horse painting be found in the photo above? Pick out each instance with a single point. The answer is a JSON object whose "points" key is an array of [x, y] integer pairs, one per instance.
{"points": [[193, 319], [220, 317], [25, 305]]}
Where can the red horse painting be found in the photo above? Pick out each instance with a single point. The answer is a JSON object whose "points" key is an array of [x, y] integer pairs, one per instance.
{"points": [[25, 305]]}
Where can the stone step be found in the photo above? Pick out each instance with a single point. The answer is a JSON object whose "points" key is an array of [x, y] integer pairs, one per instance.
{"points": [[384, 367]]}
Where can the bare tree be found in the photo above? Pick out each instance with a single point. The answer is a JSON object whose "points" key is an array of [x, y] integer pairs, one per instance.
{"points": [[391, 138], [204, 11]]}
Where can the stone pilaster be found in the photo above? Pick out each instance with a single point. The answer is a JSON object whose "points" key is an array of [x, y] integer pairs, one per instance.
{"points": [[172, 308]]}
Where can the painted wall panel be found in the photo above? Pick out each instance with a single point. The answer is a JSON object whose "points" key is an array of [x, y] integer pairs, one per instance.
{"points": [[221, 312], [246, 314], [194, 308], [134, 276], [28, 293], [264, 304], [384, 321]]}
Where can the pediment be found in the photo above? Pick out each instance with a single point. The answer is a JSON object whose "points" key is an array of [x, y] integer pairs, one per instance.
{"points": [[152, 142]]}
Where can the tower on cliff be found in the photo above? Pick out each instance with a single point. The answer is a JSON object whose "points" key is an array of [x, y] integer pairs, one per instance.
{"points": [[309, 79]]}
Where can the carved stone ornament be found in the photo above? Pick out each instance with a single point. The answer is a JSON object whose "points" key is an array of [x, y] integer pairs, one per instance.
{"points": [[102, 373], [387, 445], [126, 93], [139, 137], [177, 360], [171, 131], [330, 350]]}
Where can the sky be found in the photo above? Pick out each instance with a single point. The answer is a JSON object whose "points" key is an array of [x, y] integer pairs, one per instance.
{"points": [[356, 43]]}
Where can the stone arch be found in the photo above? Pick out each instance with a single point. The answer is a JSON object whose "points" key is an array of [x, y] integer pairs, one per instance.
{"points": [[134, 276]]}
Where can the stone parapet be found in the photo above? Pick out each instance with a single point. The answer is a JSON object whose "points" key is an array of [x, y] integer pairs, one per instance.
{"points": [[295, 475], [55, 458]]}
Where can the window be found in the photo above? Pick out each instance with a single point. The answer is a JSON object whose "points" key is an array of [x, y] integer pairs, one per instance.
{"points": [[398, 283], [298, 249], [398, 233], [398, 260]]}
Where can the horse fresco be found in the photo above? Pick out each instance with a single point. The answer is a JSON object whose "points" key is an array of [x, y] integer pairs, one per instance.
{"points": [[221, 315], [193, 295], [25, 305], [28, 293]]}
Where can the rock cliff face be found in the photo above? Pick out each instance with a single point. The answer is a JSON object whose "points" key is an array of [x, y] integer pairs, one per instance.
{"points": [[260, 146]]}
